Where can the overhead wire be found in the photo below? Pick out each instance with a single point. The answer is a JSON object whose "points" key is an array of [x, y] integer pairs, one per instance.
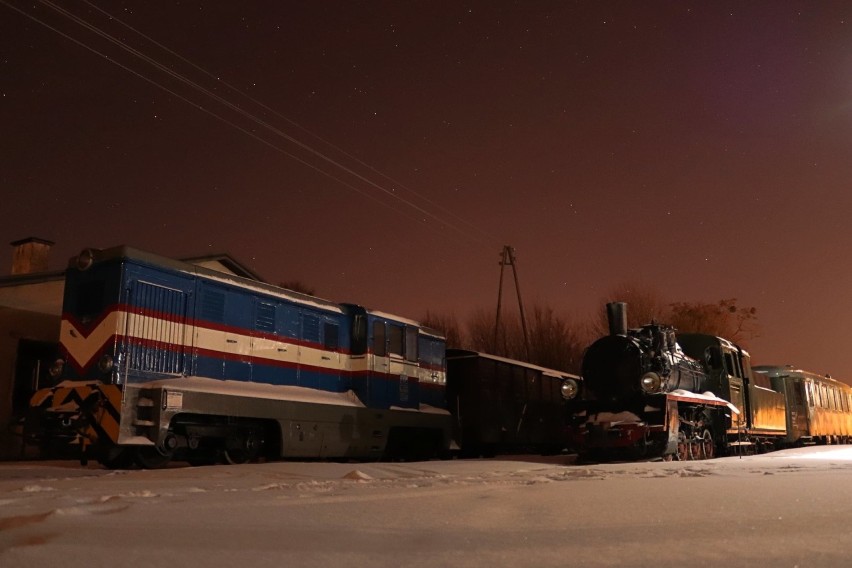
{"points": [[194, 104], [253, 118], [285, 118]]}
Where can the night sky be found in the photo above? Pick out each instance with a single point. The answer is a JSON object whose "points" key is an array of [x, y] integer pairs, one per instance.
{"points": [[384, 152]]}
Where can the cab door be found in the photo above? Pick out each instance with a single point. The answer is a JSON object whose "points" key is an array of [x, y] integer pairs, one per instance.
{"points": [[379, 365]]}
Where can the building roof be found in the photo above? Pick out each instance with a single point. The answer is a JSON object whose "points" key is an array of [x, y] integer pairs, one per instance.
{"points": [[224, 261], [42, 291]]}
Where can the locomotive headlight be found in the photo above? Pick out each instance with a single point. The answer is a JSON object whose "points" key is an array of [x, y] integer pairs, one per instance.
{"points": [[569, 389], [651, 383], [85, 259], [106, 363]]}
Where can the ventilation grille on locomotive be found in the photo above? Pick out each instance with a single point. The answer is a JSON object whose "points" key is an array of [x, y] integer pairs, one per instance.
{"points": [[155, 329]]}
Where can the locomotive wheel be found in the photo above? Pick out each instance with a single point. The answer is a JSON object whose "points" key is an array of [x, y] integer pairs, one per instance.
{"points": [[708, 448], [152, 457], [239, 450], [684, 452]]}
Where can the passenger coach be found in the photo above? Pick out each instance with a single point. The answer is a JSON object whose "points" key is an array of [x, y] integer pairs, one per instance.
{"points": [[164, 360], [819, 408]]}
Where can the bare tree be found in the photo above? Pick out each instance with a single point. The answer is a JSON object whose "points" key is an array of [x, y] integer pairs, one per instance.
{"points": [[723, 319], [480, 331], [644, 305], [446, 324], [509, 338], [555, 342]]}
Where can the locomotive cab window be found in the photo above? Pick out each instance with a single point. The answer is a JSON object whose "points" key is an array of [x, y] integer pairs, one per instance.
{"points": [[380, 347], [730, 366], [330, 337], [411, 344], [91, 299], [713, 356], [396, 345]]}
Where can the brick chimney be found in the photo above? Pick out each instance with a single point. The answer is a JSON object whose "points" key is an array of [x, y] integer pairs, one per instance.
{"points": [[30, 255]]}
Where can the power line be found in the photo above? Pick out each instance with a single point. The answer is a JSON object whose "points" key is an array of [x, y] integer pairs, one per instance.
{"points": [[196, 105], [286, 119], [221, 100]]}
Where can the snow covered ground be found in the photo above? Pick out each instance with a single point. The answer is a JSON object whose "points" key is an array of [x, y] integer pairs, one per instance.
{"points": [[791, 508]]}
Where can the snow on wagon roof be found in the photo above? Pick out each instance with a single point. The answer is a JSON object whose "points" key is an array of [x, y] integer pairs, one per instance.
{"points": [[464, 354]]}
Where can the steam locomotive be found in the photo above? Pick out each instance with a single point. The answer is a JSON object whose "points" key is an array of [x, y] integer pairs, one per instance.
{"points": [[163, 360], [650, 392]]}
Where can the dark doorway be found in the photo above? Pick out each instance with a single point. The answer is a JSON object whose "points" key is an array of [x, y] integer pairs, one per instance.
{"points": [[31, 372]]}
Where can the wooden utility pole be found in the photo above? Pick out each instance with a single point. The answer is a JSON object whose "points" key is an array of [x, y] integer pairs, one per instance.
{"points": [[507, 257]]}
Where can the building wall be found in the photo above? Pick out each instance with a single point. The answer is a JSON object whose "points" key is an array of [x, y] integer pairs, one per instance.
{"points": [[15, 325]]}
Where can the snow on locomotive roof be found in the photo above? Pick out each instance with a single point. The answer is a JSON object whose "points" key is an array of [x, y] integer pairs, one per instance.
{"points": [[400, 319], [463, 354], [124, 251], [131, 253]]}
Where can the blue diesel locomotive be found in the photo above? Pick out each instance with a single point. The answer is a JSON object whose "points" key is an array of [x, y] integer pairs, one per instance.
{"points": [[164, 360]]}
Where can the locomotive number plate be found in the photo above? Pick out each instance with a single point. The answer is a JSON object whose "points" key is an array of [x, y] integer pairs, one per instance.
{"points": [[174, 400]]}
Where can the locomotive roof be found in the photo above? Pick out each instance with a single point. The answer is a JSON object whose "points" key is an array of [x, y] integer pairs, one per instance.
{"points": [[401, 319], [123, 251], [720, 341], [466, 354]]}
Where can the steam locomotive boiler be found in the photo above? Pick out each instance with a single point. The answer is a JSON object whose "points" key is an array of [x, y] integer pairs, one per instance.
{"points": [[644, 396]]}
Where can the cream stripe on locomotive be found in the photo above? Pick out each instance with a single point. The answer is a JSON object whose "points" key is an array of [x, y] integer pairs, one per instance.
{"points": [[83, 348]]}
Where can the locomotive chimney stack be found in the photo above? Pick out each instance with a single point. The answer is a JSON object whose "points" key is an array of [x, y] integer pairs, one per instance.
{"points": [[616, 313], [30, 255]]}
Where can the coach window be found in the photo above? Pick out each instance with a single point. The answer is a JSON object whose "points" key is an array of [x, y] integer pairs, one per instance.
{"points": [[809, 393], [411, 344], [396, 338], [379, 342]]}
